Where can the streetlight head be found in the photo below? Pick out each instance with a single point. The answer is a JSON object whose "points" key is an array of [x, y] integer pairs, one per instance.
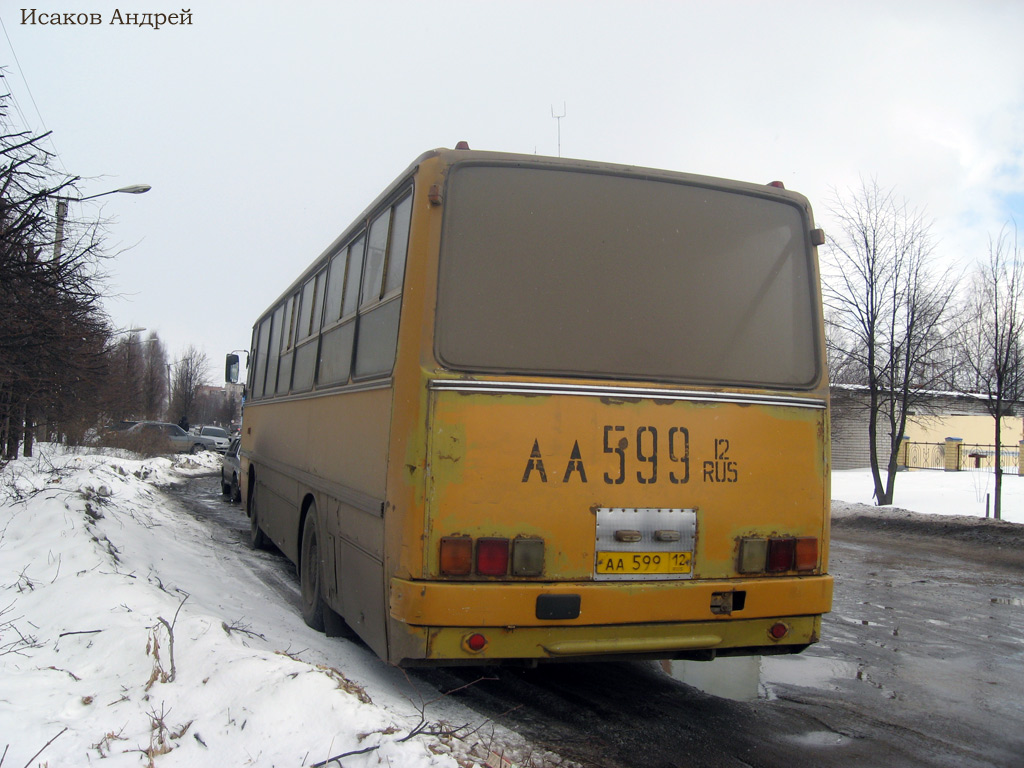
{"points": [[135, 189]]}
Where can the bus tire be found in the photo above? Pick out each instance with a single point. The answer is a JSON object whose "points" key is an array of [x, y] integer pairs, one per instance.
{"points": [[310, 582], [257, 539]]}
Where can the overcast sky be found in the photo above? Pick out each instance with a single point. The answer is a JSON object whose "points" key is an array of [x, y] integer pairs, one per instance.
{"points": [[264, 128]]}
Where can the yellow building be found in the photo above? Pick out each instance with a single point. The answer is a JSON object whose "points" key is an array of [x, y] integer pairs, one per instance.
{"points": [[940, 416]]}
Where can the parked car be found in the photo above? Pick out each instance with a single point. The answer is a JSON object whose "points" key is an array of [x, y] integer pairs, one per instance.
{"points": [[215, 438], [230, 469], [160, 437]]}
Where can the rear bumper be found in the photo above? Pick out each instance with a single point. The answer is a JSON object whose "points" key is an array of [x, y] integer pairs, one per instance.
{"points": [[492, 604], [431, 622], [440, 646]]}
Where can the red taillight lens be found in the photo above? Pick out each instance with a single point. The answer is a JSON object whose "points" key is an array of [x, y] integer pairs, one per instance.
{"points": [[492, 557], [806, 554], [781, 554], [474, 643], [456, 555]]}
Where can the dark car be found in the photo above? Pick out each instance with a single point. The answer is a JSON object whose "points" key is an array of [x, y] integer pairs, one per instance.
{"points": [[229, 471]]}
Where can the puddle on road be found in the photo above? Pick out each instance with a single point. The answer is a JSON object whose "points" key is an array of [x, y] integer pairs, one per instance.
{"points": [[749, 678], [818, 739]]}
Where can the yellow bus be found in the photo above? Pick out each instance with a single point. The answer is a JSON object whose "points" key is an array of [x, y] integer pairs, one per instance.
{"points": [[529, 409]]}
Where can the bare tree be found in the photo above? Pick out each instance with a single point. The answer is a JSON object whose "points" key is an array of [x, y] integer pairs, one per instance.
{"points": [[154, 378], [191, 372], [989, 343], [886, 310], [53, 330]]}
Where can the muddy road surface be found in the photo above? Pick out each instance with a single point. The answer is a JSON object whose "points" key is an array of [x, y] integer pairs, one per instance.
{"points": [[921, 664]]}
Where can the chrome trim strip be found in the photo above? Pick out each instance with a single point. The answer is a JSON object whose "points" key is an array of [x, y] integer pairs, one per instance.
{"points": [[588, 390]]}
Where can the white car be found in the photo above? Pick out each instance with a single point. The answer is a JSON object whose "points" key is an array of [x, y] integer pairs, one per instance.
{"points": [[229, 472], [214, 438]]}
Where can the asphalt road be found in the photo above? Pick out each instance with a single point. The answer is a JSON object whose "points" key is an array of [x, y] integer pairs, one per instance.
{"points": [[921, 664]]}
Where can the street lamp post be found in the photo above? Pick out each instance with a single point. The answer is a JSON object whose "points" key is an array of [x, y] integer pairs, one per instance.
{"points": [[62, 211]]}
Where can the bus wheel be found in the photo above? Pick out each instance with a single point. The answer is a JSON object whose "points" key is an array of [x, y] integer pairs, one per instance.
{"points": [[310, 583], [257, 539]]}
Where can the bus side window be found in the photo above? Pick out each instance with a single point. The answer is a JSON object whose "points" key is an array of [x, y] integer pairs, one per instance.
{"points": [[342, 297], [261, 358], [284, 370], [310, 318], [378, 320], [373, 273], [398, 246], [335, 287], [355, 275], [275, 349]]}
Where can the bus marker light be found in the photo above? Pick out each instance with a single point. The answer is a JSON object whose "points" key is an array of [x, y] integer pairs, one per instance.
{"points": [[527, 557], [456, 555], [781, 554], [806, 553], [492, 557], [474, 643], [778, 630], [627, 536], [753, 555], [667, 535], [434, 195]]}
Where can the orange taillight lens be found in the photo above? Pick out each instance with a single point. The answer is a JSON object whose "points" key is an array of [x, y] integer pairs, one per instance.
{"points": [[456, 555], [806, 554]]}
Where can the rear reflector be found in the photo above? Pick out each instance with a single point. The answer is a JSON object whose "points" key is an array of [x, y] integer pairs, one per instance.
{"points": [[456, 555], [492, 557]]}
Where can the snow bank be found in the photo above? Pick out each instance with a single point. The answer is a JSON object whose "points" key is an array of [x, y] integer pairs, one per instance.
{"points": [[127, 635]]}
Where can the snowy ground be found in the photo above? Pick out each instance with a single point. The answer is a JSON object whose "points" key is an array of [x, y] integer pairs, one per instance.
{"points": [[933, 492], [128, 635]]}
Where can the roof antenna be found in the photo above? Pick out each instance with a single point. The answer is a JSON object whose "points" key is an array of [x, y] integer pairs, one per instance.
{"points": [[558, 118]]}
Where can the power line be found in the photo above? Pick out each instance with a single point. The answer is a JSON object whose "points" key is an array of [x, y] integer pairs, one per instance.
{"points": [[32, 98]]}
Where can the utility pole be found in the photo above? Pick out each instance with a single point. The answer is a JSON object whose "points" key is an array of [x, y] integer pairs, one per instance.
{"points": [[558, 119]]}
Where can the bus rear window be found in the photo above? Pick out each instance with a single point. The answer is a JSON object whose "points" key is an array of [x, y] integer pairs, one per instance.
{"points": [[566, 273]]}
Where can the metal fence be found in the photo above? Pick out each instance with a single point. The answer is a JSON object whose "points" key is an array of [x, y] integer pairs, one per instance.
{"points": [[926, 455], [974, 458], [983, 458]]}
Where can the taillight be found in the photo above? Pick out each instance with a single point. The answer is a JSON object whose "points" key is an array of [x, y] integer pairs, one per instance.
{"points": [[753, 555], [492, 557], [781, 554], [806, 554], [528, 557], [456, 555]]}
